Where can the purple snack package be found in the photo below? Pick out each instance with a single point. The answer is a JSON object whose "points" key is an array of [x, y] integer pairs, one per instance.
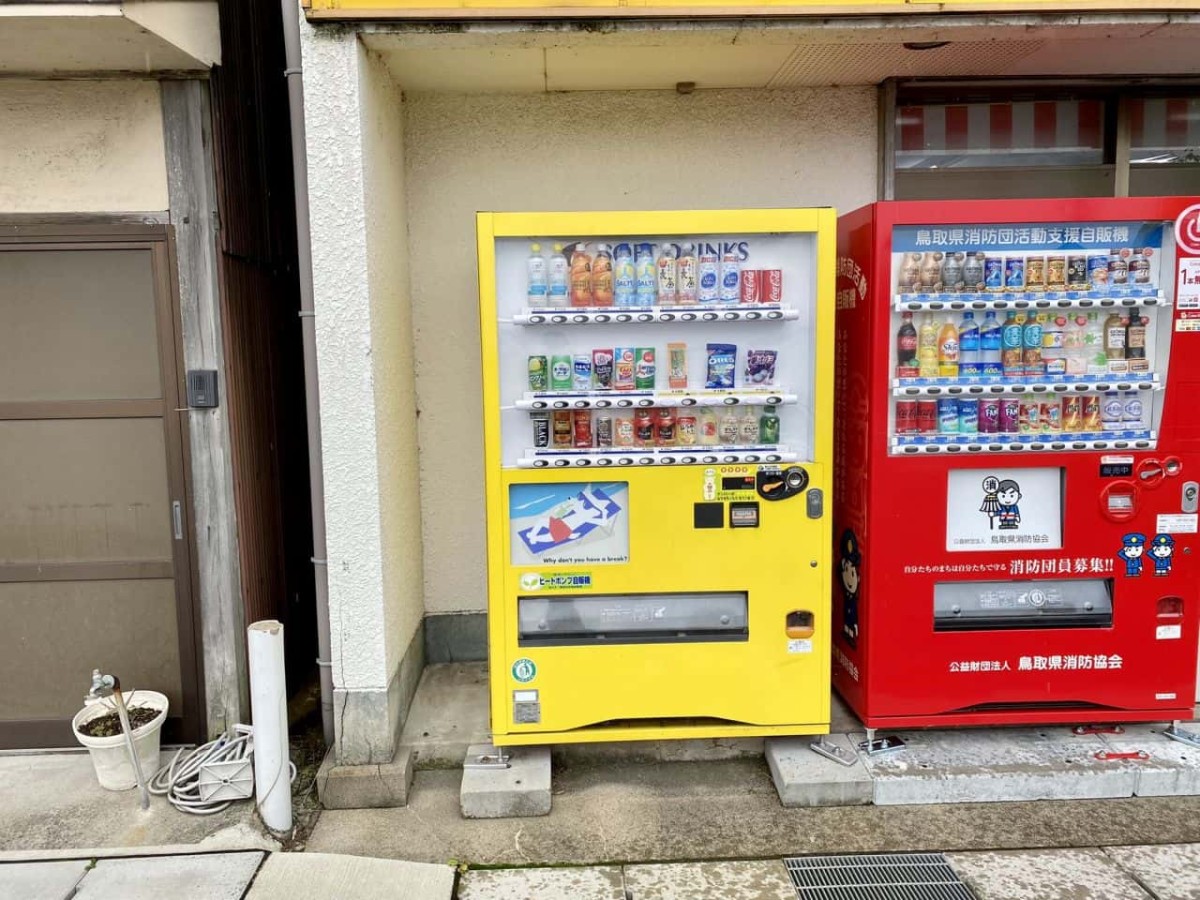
{"points": [[760, 367]]}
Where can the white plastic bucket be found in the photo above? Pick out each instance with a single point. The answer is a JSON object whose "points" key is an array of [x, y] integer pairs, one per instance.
{"points": [[110, 755]]}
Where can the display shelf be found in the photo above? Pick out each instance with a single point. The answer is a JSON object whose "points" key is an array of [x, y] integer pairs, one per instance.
{"points": [[949, 443], [932, 387], [540, 400], [711, 312], [1130, 297], [621, 457]]}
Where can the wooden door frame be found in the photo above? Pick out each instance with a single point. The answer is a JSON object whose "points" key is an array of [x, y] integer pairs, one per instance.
{"points": [[117, 233]]}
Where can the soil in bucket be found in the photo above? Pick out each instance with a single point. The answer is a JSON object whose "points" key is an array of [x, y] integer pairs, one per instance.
{"points": [[109, 724]]}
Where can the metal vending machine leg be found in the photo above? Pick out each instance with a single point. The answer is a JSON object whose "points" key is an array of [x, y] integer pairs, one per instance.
{"points": [[873, 746], [497, 759], [838, 754], [1176, 733]]}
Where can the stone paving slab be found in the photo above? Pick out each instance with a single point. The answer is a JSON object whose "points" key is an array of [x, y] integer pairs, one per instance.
{"points": [[331, 876], [805, 778], [737, 880], [1170, 871], [970, 766], [590, 883], [211, 876], [42, 880], [1045, 875]]}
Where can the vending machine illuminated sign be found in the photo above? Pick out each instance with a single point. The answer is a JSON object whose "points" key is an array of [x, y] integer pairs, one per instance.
{"points": [[1017, 451], [658, 391]]}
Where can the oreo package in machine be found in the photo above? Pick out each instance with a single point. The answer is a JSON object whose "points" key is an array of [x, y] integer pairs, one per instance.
{"points": [[722, 365]]}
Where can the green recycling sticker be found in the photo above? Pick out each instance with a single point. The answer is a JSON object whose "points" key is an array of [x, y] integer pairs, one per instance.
{"points": [[524, 670]]}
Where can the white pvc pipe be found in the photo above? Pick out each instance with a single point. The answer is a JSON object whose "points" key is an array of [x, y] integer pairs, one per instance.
{"points": [[268, 706]]}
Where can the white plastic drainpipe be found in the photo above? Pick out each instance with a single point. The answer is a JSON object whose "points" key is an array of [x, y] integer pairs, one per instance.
{"points": [[268, 706]]}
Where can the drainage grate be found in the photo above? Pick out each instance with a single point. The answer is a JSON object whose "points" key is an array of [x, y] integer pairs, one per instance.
{"points": [[891, 876]]}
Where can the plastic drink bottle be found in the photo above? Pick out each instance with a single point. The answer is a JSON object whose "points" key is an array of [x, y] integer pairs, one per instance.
{"points": [[731, 279], [558, 278], [907, 364], [1074, 346], [581, 276], [624, 275], [768, 426], [1011, 347], [968, 347], [948, 350], [668, 279], [1116, 328], [1033, 347], [685, 272], [989, 345], [539, 285], [927, 348], [1054, 354], [602, 276], [1093, 338], [647, 275]]}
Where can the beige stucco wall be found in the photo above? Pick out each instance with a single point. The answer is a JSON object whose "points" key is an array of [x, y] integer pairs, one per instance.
{"points": [[579, 151], [81, 146]]}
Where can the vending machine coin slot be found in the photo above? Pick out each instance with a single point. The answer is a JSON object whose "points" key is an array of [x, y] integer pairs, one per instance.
{"points": [[776, 484]]}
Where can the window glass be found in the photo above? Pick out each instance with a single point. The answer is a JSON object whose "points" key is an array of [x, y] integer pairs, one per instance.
{"points": [[1164, 130]]}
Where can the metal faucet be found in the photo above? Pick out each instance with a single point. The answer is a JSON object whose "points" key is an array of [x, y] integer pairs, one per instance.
{"points": [[104, 686]]}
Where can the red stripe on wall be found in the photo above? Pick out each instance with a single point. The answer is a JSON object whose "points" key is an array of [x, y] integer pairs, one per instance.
{"points": [[1045, 123], [1137, 122], [1090, 112], [1177, 122], [956, 127], [912, 128], [1001, 118]]}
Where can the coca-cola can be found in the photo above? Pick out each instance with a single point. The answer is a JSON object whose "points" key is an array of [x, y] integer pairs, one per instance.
{"points": [[906, 417], [927, 417], [751, 285], [772, 286]]}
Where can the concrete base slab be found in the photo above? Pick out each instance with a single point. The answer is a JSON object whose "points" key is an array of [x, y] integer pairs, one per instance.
{"points": [[325, 876], [42, 880], [1173, 768], [449, 713], [972, 766], [592, 883], [366, 787], [1171, 872], [760, 879], [1040, 874], [805, 778], [521, 789], [212, 876]]}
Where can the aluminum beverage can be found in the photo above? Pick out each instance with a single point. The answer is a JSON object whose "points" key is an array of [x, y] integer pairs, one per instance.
{"points": [[1051, 418], [927, 416], [1014, 273], [562, 428], [1056, 273], [751, 285], [906, 417], [1077, 272], [604, 430], [623, 430], [602, 368], [1035, 273], [731, 278], [993, 273], [1031, 415], [541, 428], [947, 412], [989, 415], [1072, 414], [1010, 415], [1112, 411], [1097, 268], [968, 416], [685, 429], [772, 286], [581, 372], [624, 368], [1092, 419], [560, 373], [644, 369], [1132, 411], [709, 278], [581, 427], [539, 373]]}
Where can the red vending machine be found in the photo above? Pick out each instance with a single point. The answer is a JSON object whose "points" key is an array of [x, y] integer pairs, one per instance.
{"points": [[1017, 439]]}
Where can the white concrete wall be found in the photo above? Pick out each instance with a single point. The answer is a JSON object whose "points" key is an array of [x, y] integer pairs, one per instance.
{"points": [[81, 146], [641, 150]]}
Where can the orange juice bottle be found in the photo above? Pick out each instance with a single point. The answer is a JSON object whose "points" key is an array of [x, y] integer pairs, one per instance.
{"points": [[581, 276], [948, 350]]}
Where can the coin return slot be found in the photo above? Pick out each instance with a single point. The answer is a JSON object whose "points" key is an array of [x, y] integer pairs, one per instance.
{"points": [[799, 625]]}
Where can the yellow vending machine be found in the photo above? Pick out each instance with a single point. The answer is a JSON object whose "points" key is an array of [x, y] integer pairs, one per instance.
{"points": [[657, 392]]}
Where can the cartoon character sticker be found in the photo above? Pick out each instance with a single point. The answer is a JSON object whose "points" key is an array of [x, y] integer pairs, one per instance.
{"points": [[1134, 546], [851, 560], [1000, 500], [1162, 550]]}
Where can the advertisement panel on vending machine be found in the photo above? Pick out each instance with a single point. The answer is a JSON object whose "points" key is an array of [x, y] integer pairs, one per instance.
{"points": [[1017, 448], [658, 396]]}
